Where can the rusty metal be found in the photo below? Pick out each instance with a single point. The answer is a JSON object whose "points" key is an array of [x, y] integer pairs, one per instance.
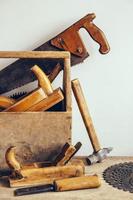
{"points": [[120, 176], [18, 73]]}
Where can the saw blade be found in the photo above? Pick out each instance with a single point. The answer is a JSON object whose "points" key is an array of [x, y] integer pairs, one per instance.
{"points": [[120, 176], [18, 73], [18, 95]]}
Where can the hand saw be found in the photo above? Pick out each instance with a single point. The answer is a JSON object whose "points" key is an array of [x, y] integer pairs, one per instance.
{"points": [[18, 73]]}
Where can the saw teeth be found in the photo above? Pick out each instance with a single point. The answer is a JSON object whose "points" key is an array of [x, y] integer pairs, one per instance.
{"points": [[18, 95]]}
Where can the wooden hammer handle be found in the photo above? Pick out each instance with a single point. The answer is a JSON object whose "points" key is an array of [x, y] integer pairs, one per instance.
{"points": [[79, 96]]}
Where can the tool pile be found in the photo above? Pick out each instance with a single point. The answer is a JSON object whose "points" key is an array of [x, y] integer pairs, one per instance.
{"points": [[60, 173]]}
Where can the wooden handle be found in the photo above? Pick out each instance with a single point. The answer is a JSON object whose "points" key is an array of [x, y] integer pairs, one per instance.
{"points": [[98, 36], [48, 102], [43, 80], [5, 102], [79, 96], [55, 72], [56, 171], [77, 183], [28, 101]]}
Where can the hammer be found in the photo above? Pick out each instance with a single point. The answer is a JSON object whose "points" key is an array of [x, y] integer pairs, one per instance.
{"points": [[99, 154]]}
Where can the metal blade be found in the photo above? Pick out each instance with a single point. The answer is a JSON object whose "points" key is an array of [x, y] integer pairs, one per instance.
{"points": [[18, 73]]}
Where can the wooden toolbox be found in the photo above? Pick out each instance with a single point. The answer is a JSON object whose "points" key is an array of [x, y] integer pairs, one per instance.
{"points": [[38, 136]]}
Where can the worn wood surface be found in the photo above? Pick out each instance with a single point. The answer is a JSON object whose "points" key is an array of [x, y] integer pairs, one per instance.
{"points": [[78, 183], [34, 54], [79, 96], [48, 102], [105, 192], [46, 175], [38, 136]]}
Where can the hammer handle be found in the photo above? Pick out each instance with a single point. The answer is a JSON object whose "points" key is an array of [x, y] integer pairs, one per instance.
{"points": [[79, 96]]}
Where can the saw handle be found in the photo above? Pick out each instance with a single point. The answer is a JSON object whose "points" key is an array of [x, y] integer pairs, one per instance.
{"points": [[79, 96], [98, 36], [95, 32]]}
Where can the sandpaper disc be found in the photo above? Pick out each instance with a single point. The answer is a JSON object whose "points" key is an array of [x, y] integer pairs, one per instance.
{"points": [[120, 176]]}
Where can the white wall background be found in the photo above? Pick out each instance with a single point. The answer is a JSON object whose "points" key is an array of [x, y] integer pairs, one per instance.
{"points": [[107, 80]]}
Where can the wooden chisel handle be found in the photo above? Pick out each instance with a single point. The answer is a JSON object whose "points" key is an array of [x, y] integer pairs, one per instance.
{"points": [[77, 183], [79, 96]]}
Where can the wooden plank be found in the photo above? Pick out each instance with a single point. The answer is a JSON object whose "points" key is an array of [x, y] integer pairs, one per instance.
{"points": [[38, 136], [34, 54]]}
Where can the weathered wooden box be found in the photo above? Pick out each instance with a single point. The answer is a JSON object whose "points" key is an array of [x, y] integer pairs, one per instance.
{"points": [[38, 136]]}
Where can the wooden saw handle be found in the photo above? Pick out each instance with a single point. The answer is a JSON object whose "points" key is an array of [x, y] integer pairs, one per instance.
{"points": [[79, 96]]}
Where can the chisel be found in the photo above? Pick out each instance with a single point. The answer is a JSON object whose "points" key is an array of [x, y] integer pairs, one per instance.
{"points": [[78, 183]]}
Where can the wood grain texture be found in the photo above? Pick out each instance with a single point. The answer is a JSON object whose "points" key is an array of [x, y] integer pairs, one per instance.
{"points": [[38, 136], [5, 102], [105, 192], [35, 176], [28, 101], [79, 96], [78, 183], [55, 97], [34, 54]]}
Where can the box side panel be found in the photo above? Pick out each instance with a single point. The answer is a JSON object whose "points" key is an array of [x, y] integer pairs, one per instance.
{"points": [[37, 136]]}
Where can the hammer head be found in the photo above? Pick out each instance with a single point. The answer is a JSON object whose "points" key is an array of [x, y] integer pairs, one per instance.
{"points": [[97, 157]]}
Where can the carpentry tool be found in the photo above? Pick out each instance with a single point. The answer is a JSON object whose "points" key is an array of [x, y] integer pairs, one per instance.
{"points": [[67, 152], [5, 102], [19, 73], [120, 176], [33, 173], [40, 99], [45, 175], [99, 154], [78, 183]]}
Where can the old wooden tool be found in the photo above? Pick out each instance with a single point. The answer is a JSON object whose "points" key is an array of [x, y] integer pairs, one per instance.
{"points": [[19, 73], [40, 99], [35, 176], [77, 183], [67, 152], [6, 102], [38, 173], [99, 153]]}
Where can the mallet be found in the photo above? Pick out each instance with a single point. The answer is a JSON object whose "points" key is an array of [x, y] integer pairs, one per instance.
{"points": [[99, 153]]}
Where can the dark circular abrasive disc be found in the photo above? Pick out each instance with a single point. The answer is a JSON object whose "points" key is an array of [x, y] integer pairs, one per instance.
{"points": [[120, 176]]}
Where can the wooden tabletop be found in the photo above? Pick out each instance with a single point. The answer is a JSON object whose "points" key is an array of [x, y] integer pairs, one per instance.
{"points": [[105, 192]]}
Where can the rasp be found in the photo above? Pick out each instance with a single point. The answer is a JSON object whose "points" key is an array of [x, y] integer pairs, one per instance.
{"points": [[18, 73]]}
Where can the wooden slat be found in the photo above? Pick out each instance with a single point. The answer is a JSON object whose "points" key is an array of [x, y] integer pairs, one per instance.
{"points": [[67, 84], [34, 54]]}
